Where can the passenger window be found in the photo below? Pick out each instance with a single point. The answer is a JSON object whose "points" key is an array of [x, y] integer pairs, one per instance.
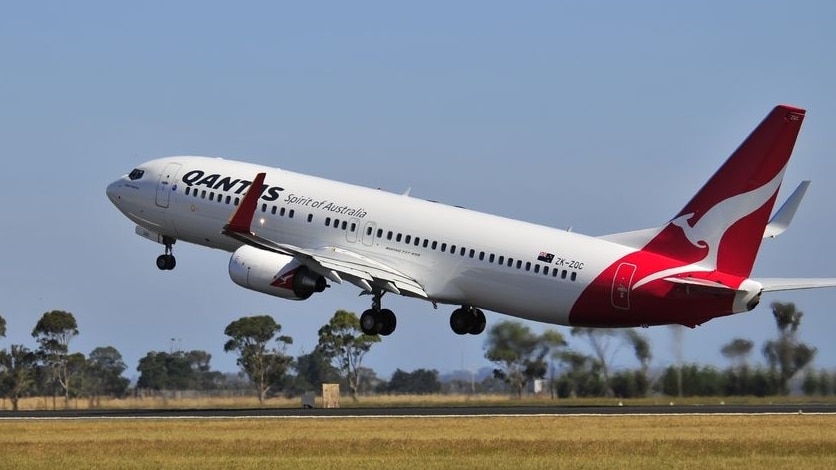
{"points": [[453, 249], [462, 251], [528, 265], [327, 221], [574, 276], [380, 233], [399, 237], [536, 268], [389, 235], [188, 190], [353, 227], [281, 213], [344, 225], [237, 201], [273, 210], [519, 264], [310, 216], [472, 253], [426, 243], [443, 247], [228, 198], [434, 245], [203, 194], [290, 214], [407, 239], [369, 230], [563, 274], [501, 259]]}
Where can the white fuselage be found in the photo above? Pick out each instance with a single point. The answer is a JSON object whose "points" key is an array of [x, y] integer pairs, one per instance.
{"points": [[179, 197]]}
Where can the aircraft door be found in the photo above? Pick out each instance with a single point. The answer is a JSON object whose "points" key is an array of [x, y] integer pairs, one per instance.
{"points": [[165, 184], [621, 284], [368, 233], [353, 228]]}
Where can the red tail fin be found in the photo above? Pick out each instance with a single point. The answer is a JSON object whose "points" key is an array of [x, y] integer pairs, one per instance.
{"points": [[722, 226]]}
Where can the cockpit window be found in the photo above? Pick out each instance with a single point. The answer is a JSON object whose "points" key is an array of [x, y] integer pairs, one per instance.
{"points": [[136, 174]]}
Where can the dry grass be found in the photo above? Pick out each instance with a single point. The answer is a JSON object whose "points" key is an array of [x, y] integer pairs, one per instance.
{"points": [[41, 403], [771, 441]]}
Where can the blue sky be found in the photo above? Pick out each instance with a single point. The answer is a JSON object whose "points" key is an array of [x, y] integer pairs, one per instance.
{"points": [[600, 116]]}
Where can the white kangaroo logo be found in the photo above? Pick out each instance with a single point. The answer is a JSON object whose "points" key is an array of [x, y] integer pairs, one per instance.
{"points": [[710, 228]]}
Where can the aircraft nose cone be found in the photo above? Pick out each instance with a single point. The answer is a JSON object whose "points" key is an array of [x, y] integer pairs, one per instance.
{"points": [[114, 192]]}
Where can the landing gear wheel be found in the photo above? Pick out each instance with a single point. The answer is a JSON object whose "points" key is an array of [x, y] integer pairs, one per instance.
{"points": [[479, 322], [388, 320], [460, 321], [467, 320], [166, 262], [369, 322]]}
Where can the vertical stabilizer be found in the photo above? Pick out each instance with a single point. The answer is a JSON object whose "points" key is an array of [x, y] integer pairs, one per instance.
{"points": [[723, 224]]}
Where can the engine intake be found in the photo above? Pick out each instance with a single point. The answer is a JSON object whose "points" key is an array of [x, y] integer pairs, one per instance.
{"points": [[273, 274]]}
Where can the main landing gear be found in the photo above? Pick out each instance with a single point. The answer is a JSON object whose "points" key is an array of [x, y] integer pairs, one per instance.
{"points": [[377, 321], [382, 321], [467, 320], [167, 262]]}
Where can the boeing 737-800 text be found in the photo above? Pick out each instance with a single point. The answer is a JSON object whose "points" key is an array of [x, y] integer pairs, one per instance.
{"points": [[290, 234]]}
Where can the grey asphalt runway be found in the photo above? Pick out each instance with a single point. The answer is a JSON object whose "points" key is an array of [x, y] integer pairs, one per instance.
{"points": [[423, 412]]}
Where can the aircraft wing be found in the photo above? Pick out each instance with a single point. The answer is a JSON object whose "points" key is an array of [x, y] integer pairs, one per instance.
{"points": [[332, 262], [776, 284]]}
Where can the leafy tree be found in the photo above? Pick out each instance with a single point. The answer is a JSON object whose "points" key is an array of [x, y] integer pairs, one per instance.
{"points": [[17, 372], [581, 376], [601, 342], [418, 382], [737, 351], [178, 370], [2, 327], [104, 374], [313, 370], [519, 352], [250, 337], [343, 342], [641, 379], [53, 332], [787, 354]]}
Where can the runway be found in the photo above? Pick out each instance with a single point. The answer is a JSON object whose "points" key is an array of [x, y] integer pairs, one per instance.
{"points": [[423, 412]]}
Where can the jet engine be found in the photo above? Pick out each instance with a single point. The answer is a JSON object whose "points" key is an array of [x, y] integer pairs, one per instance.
{"points": [[273, 274]]}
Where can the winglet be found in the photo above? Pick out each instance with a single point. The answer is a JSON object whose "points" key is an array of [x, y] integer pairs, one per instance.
{"points": [[242, 218], [781, 220]]}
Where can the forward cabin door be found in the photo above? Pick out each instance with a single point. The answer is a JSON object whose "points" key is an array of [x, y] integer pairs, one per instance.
{"points": [[164, 188]]}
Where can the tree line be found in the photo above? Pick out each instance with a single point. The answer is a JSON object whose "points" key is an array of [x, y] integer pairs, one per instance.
{"points": [[521, 358]]}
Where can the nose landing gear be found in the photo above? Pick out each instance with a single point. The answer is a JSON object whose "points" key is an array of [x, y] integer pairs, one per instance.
{"points": [[167, 262]]}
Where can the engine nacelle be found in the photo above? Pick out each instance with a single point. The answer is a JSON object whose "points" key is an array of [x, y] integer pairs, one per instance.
{"points": [[274, 274]]}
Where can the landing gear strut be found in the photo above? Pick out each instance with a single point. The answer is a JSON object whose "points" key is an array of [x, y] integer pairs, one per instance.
{"points": [[167, 262], [377, 321], [467, 320]]}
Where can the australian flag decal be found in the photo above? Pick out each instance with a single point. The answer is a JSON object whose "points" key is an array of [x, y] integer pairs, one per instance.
{"points": [[546, 257]]}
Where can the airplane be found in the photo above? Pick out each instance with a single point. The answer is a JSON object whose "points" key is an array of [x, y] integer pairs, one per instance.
{"points": [[291, 234]]}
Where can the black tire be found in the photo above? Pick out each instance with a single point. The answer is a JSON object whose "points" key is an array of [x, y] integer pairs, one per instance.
{"points": [[388, 320], [369, 322], [171, 262], [461, 321], [162, 262], [479, 322]]}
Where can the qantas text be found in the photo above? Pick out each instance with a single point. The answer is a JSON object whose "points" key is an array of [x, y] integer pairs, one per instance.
{"points": [[228, 184]]}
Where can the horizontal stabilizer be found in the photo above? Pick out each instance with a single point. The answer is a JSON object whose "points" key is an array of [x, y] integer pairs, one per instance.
{"points": [[781, 220], [704, 283], [777, 284]]}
